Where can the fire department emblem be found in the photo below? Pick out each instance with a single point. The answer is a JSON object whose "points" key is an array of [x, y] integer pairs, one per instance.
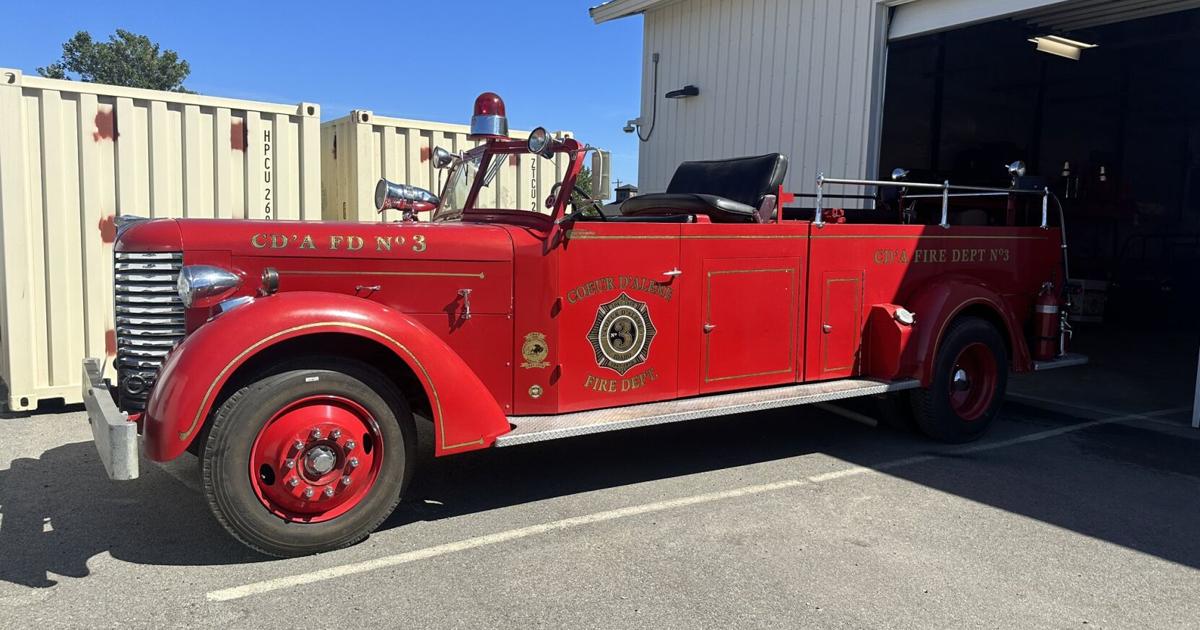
{"points": [[535, 351], [622, 334]]}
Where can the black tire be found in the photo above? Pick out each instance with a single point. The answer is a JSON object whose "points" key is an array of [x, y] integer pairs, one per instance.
{"points": [[226, 452], [933, 411]]}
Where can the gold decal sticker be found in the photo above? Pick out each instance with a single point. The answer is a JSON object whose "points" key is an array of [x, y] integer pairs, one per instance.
{"points": [[535, 351], [535, 391], [627, 384], [337, 242], [622, 334], [623, 283], [921, 256]]}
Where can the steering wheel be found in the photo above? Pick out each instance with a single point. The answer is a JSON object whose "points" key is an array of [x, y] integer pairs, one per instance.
{"points": [[575, 189]]}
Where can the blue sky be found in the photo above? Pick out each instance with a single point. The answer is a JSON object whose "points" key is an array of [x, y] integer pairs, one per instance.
{"points": [[425, 60]]}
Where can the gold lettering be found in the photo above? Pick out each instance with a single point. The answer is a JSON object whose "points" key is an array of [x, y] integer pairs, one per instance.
{"points": [[418, 243], [258, 241], [383, 243], [278, 241], [307, 243], [335, 242], [354, 243]]}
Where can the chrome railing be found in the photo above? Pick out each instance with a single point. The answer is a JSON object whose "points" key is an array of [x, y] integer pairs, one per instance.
{"points": [[945, 195]]}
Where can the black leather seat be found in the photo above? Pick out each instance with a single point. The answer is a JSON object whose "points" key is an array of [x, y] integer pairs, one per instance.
{"points": [[726, 191]]}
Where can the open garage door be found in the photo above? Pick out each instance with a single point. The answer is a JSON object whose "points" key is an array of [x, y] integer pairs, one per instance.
{"points": [[1113, 130], [923, 17]]}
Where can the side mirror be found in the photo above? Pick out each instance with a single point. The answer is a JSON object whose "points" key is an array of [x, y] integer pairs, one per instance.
{"points": [[1016, 169], [899, 174], [410, 199], [441, 158], [540, 142], [601, 174]]}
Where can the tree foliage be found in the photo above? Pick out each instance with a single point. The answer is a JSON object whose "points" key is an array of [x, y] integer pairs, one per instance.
{"points": [[126, 59]]}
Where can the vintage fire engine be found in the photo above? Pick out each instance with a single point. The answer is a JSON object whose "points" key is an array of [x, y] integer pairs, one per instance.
{"points": [[295, 359]]}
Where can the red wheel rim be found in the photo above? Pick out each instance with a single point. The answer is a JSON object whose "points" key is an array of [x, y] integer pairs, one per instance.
{"points": [[316, 458], [973, 380]]}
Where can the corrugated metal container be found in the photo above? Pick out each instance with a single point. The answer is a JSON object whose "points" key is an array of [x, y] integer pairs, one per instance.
{"points": [[358, 149], [75, 155]]}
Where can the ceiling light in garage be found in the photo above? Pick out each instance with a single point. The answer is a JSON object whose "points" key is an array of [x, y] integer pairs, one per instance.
{"points": [[1061, 46]]}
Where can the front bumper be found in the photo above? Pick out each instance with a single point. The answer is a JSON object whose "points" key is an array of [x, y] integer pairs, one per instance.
{"points": [[116, 438]]}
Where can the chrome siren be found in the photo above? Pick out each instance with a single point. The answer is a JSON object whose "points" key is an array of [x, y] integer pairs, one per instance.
{"points": [[410, 199]]}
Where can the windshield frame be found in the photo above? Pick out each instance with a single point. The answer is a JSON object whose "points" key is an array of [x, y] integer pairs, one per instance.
{"points": [[487, 151]]}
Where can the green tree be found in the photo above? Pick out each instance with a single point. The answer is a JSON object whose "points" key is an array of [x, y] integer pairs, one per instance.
{"points": [[126, 59]]}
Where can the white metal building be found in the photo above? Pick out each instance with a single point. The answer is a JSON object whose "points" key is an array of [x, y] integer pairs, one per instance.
{"points": [[804, 77]]}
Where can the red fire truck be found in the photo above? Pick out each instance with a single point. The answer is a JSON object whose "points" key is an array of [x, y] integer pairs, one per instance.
{"points": [[296, 359]]}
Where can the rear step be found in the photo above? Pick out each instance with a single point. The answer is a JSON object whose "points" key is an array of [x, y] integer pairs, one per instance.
{"points": [[1069, 359], [529, 429]]}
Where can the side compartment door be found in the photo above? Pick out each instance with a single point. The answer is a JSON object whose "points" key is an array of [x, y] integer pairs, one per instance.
{"points": [[750, 312], [836, 325], [618, 326]]}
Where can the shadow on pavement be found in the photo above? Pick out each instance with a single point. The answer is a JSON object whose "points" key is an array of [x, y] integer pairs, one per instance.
{"points": [[60, 510]]}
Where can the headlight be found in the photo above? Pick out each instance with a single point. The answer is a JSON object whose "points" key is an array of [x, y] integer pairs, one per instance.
{"points": [[539, 142], [197, 282]]}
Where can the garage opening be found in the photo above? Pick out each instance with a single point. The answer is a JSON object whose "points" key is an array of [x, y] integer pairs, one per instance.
{"points": [[1115, 134]]}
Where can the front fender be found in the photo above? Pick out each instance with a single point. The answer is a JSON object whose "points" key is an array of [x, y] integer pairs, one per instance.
{"points": [[465, 415], [939, 303]]}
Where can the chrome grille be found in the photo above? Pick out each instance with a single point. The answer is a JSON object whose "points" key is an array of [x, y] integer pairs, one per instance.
{"points": [[150, 320]]}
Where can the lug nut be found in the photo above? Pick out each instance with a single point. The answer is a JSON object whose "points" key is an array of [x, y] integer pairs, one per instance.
{"points": [[346, 481], [308, 493], [316, 434], [353, 462], [298, 445], [328, 491], [293, 482], [349, 445], [291, 463], [335, 434]]}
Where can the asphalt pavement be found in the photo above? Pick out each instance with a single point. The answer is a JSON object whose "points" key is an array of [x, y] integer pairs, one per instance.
{"points": [[1069, 517]]}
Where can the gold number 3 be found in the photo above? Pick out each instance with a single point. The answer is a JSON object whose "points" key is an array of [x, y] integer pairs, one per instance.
{"points": [[418, 243]]}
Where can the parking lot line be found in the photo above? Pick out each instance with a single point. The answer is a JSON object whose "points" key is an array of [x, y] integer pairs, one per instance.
{"points": [[275, 584]]}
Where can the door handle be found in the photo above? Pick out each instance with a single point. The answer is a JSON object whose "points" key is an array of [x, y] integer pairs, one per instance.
{"points": [[709, 327], [465, 294], [826, 328], [674, 272]]}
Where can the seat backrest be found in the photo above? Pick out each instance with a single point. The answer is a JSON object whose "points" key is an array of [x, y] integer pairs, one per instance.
{"points": [[744, 180]]}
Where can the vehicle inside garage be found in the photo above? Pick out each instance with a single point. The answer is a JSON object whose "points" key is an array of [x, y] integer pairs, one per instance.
{"points": [[1103, 106]]}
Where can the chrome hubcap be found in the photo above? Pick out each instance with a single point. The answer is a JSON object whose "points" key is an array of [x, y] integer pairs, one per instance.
{"points": [[961, 381], [320, 460]]}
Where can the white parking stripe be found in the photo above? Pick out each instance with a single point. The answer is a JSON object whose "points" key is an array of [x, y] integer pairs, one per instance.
{"points": [[321, 575]]}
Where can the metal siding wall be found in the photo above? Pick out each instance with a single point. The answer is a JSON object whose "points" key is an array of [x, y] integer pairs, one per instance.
{"points": [[74, 155], [358, 149], [794, 76]]}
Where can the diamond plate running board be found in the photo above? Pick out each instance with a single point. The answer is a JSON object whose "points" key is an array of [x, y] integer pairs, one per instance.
{"points": [[527, 429]]}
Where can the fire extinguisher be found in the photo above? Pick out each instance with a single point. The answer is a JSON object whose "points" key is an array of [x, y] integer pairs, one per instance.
{"points": [[1047, 324]]}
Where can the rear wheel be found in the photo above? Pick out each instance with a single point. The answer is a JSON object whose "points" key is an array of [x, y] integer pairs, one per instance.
{"points": [[970, 375], [308, 460]]}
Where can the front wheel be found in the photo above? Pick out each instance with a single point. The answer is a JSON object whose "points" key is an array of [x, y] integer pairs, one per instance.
{"points": [[308, 460], [970, 375]]}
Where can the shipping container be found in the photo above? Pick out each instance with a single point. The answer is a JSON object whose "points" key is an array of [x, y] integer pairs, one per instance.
{"points": [[74, 156], [358, 149]]}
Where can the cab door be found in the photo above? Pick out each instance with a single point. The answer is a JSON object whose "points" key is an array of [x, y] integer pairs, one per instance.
{"points": [[750, 311], [618, 319]]}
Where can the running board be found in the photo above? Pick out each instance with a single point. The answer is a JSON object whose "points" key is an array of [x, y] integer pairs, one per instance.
{"points": [[1069, 359], [527, 429]]}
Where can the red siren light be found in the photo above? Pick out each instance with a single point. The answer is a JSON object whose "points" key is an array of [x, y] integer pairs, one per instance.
{"points": [[488, 120]]}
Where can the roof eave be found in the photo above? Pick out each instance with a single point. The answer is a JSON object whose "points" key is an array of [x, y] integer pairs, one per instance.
{"points": [[617, 9]]}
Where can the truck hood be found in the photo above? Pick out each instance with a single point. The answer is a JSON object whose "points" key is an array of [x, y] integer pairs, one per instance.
{"points": [[391, 241]]}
